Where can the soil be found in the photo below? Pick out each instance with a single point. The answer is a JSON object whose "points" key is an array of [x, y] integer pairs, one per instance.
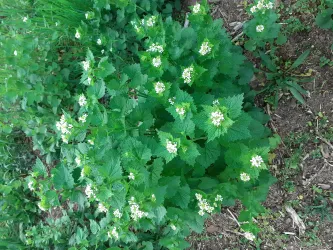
{"points": [[289, 120]]}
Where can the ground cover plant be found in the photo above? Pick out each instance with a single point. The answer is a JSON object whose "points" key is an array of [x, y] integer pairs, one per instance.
{"points": [[141, 128]]}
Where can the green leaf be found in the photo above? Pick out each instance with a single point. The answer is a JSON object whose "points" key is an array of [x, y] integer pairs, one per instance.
{"points": [[209, 154], [159, 212], [104, 68], [208, 183], [94, 227], [136, 77], [157, 169], [39, 168], [188, 152], [111, 169], [182, 197], [234, 105], [324, 19], [268, 62], [62, 178], [297, 95], [299, 60], [147, 245], [97, 90]]}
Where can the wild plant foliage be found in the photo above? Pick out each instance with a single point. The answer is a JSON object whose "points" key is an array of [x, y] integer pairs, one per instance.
{"points": [[147, 127]]}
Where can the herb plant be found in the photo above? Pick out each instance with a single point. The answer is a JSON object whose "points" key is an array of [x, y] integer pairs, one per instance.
{"points": [[147, 127]]}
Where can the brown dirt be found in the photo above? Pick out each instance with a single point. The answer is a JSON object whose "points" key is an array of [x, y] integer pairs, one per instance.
{"points": [[289, 119]]}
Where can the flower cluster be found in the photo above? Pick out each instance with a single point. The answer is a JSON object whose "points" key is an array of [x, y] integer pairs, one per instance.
{"points": [[117, 213], [218, 198], [157, 62], [159, 87], [205, 49], [136, 213], [77, 35], [90, 192], [151, 21], [172, 100], [99, 41], [256, 161], [249, 236], [131, 176], [244, 177], [65, 128], [102, 208], [155, 48], [136, 27], [196, 8], [25, 19], [171, 147], [83, 118], [260, 28], [113, 233], [31, 185], [86, 65], [180, 111], [216, 117], [203, 205], [187, 74], [82, 100], [261, 5], [78, 160]]}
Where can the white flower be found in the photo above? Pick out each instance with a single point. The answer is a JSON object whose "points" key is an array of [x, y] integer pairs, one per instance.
{"points": [[151, 21], [171, 147], [56, 24], [102, 51], [172, 100], [157, 62], [102, 208], [63, 126], [187, 74], [15, 53], [218, 198], [99, 41], [205, 49], [204, 207], [82, 100], [86, 15], [82, 174], [260, 5], [249, 236], [25, 19], [86, 65], [181, 111], [155, 48], [256, 161], [159, 87], [136, 213], [89, 80], [83, 118], [113, 233], [216, 102], [78, 160], [216, 117], [270, 5], [196, 8], [89, 191], [31, 186], [64, 139], [117, 213], [91, 142], [244, 177], [260, 28], [198, 196], [77, 34], [131, 176], [173, 227], [253, 9], [153, 197]]}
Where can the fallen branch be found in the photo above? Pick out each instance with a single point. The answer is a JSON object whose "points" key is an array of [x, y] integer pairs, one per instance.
{"points": [[297, 220]]}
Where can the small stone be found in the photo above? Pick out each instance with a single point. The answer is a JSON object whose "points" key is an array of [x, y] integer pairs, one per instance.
{"points": [[212, 229], [288, 221], [324, 186]]}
